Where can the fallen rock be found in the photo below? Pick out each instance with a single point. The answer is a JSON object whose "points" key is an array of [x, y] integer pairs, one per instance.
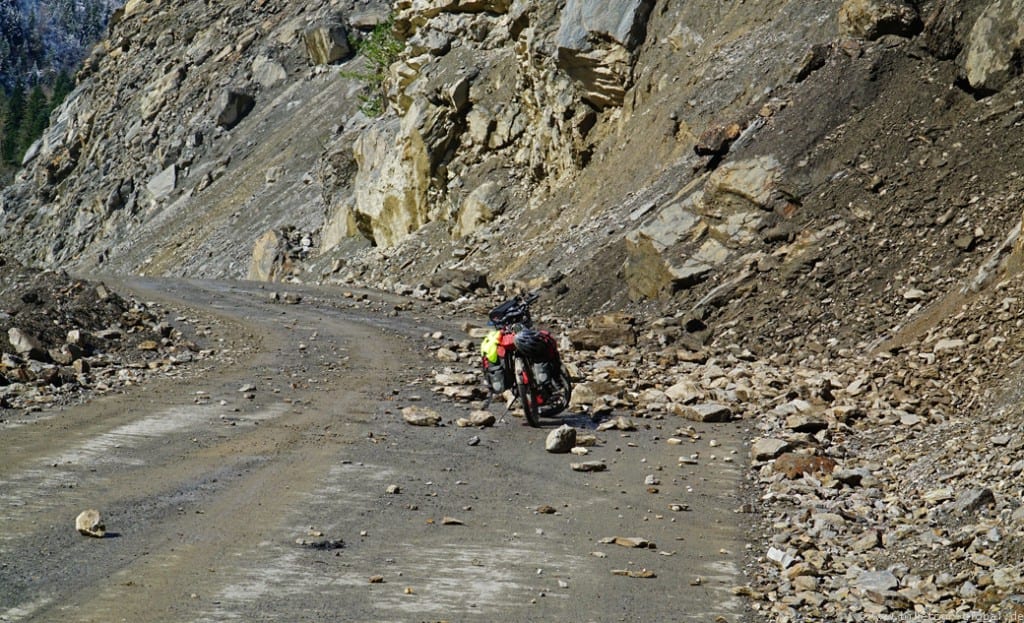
{"points": [[89, 523], [588, 466], [27, 345], [767, 449], [421, 416], [628, 541], [619, 423], [561, 440], [708, 412]]}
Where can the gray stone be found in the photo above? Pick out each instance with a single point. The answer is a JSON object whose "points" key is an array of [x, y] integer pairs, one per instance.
{"points": [[27, 345], [973, 500], [766, 449], [161, 185], [877, 581], [561, 440], [995, 46], [268, 72], [232, 107], [708, 412], [603, 71]]}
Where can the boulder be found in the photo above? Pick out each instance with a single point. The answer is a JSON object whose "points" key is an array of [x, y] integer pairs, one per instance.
{"points": [[327, 44], [270, 259], [155, 94], [232, 107], [766, 449], [871, 19], [737, 186], [161, 185], [268, 72], [391, 184], [602, 69], [995, 46], [27, 345], [486, 202]]}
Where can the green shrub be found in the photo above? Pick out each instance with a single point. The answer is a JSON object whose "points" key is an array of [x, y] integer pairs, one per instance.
{"points": [[380, 48]]}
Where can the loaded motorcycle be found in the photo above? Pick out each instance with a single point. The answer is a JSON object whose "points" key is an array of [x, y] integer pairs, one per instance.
{"points": [[517, 357]]}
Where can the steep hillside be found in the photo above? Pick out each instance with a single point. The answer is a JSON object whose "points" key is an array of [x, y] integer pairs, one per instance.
{"points": [[818, 202]]}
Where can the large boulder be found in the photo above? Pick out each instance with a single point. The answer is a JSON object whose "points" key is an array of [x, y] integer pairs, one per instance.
{"points": [[270, 259], [232, 107], [486, 202], [871, 19], [327, 43], [391, 184], [601, 69], [995, 46]]}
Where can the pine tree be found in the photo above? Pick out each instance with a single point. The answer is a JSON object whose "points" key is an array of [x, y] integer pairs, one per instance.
{"points": [[34, 120], [12, 125], [62, 86]]}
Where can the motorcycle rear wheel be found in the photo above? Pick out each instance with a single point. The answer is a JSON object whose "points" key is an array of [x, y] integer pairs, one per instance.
{"points": [[527, 390]]}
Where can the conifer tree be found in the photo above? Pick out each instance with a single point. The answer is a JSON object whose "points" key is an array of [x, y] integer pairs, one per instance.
{"points": [[34, 121], [12, 125]]}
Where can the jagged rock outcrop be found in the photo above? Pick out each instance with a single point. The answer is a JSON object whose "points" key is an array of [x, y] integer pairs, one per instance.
{"points": [[596, 40]]}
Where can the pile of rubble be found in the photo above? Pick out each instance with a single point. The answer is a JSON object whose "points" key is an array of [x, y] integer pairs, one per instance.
{"points": [[62, 337], [888, 481]]}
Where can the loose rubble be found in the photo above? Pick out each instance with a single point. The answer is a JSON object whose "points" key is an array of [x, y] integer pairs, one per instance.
{"points": [[62, 339], [886, 480]]}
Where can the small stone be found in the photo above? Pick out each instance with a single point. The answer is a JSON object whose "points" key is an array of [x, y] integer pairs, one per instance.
{"points": [[393, 490], [767, 449], [651, 479], [619, 423], [588, 466], [974, 500], [451, 521], [947, 345], [473, 441], [89, 523], [579, 451], [482, 419], [709, 412], [877, 581], [561, 440], [376, 579], [421, 416], [628, 541]]}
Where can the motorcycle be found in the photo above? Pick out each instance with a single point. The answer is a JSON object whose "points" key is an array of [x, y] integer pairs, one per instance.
{"points": [[517, 357]]}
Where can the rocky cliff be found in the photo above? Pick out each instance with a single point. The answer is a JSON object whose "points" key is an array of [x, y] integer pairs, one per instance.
{"points": [[811, 208], [627, 151]]}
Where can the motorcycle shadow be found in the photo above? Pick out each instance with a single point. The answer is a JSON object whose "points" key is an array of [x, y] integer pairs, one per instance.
{"points": [[575, 419]]}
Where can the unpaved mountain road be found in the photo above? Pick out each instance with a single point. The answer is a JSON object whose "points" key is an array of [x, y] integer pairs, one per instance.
{"points": [[229, 505]]}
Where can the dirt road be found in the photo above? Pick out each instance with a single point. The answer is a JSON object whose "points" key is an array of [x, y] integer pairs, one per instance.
{"points": [[258, 490]]}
